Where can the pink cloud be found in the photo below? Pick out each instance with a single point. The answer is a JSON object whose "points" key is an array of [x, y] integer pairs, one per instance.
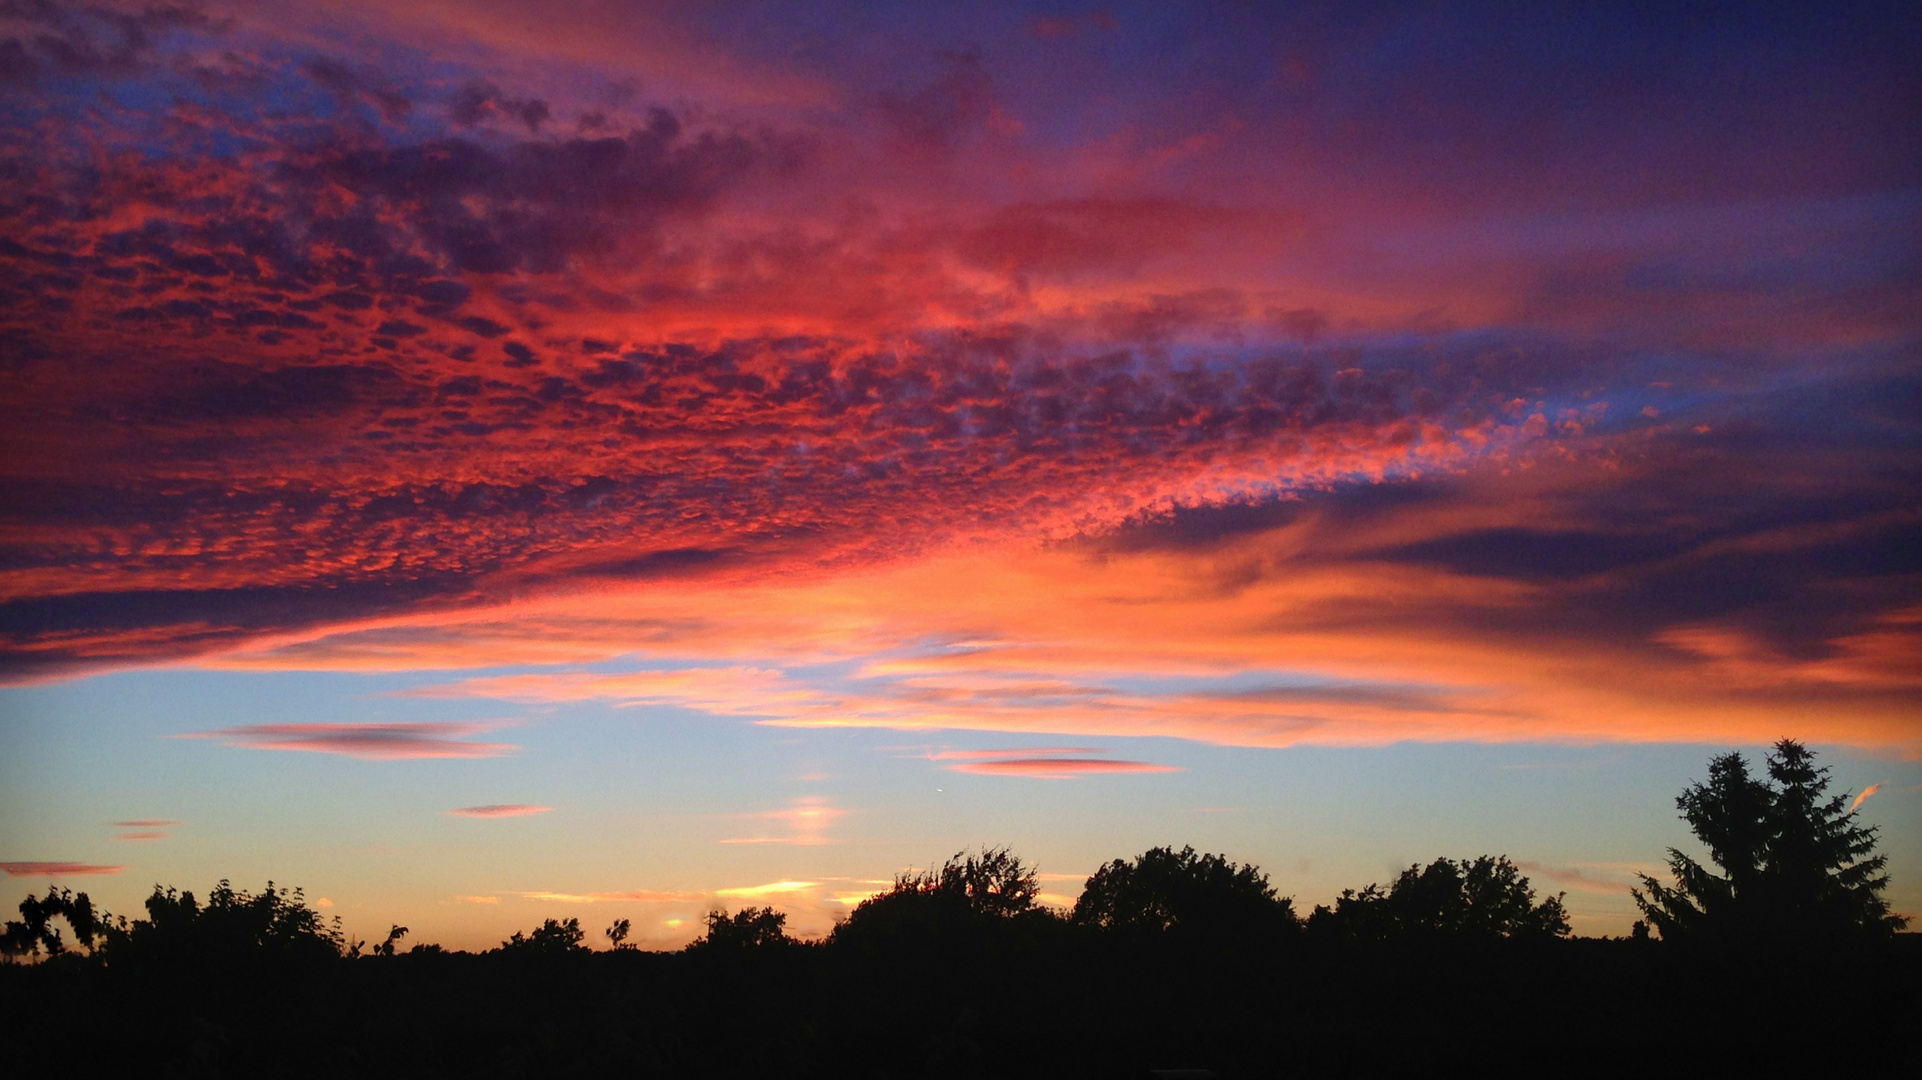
{"points": [[146, 823], [1867, 793], [55, 869], [1058, 768], [1029, 751], [501, 810], [140, 836], [380, 742], [1041, 762]]}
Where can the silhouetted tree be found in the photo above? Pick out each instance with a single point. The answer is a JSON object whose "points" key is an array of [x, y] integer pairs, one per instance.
{"points": [[1487, 898], [1794, 863], [991, 886], [992, 882], [550, 938], [617, 932], [1164, 890], [233, 926], [386, 948], [748, 928], [35, 931]]}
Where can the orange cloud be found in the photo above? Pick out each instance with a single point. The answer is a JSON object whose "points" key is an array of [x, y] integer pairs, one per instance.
{"points": [[808, 821], [1301, 630], [639, 896], [1867, 792], [137, 837], [771, 889]]}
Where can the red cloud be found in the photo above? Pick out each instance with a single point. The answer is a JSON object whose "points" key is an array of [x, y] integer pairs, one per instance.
{"points": [[55, 869], [381, 742], [494, 810]]}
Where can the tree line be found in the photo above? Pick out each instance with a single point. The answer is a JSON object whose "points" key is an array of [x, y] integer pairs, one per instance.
{"points": [[1170, 956]]}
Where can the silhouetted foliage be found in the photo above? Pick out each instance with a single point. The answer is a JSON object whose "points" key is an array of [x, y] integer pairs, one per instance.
{"points": [[617, 931], [35, 931], [386, 948], [955, 971], [964, 896], [1486, 898], [233, 926], [748, 928], [550, 938], [1795, 864], [1166, 890], [992, 882], [950, 906]]}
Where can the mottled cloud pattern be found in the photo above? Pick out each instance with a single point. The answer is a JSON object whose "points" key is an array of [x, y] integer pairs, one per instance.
{"points": [[383, 358]]}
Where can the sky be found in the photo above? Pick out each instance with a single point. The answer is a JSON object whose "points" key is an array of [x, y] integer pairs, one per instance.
{"points": [[486, 460]]}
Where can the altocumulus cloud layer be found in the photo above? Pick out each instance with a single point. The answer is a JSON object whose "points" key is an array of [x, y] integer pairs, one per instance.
{"points": [[1330, 397]]}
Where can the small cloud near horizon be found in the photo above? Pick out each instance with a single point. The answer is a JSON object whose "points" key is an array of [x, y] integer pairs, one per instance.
{"points": [[1058, 768], [139, 837], [495, 810], [1040, 762], [638, 896], [146, 823], [55, 869], [376, 742], [776, 888], [808, 818]]}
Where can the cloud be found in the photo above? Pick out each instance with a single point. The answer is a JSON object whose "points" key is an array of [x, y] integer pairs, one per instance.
{"points": [[1049, 768], [1599, 878], [1032, 751], [639, 896], [1199, 429], [477, 899], [1042, 762], [1867, 792], [494, 810], [55, 869], [379, 742], [771, 889], [807, 820], [148, 823], [137, 837]]}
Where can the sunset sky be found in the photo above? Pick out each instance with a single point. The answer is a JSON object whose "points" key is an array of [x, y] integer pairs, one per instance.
{"points": [[490, 460]]}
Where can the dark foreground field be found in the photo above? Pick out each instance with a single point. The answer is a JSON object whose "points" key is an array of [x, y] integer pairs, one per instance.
{"points": [[1012, 998]]}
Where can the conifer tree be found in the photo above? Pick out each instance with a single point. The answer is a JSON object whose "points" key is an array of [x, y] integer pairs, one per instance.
{"points": [[1795, 862]]}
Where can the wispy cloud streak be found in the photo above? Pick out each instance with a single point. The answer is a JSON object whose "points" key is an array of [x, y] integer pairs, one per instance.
{"points": [[500, 810], [56, 869], [1867, 793], [378, 742]]}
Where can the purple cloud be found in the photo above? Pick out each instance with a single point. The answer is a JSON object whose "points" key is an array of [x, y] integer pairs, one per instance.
{"points": [[379, 742]]}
